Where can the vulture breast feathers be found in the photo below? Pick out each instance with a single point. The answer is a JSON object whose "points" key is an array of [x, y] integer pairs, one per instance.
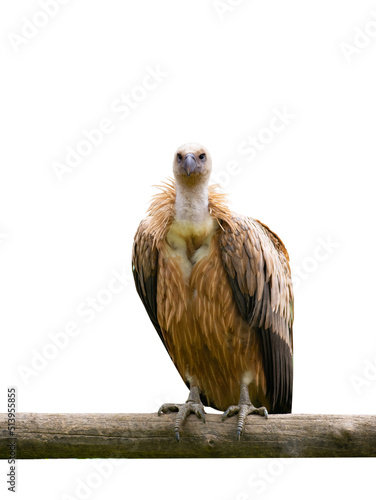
{"points": [[245, 316]]}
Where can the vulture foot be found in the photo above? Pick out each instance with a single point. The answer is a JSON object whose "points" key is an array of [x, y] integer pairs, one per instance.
{"points": [[192, 405], [243, 410]]}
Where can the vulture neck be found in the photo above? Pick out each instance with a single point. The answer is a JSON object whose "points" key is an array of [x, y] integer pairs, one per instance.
{"points": [[192, 203]]}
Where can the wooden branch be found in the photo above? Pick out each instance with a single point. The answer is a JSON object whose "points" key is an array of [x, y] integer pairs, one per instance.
{"points": [[114, 435]]}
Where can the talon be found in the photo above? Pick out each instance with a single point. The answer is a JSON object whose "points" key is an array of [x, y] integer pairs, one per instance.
{"points": [[167, 408], [243, 409], [225, 415], [192, 405], [200, 413], [231, 410], [161, 410]]}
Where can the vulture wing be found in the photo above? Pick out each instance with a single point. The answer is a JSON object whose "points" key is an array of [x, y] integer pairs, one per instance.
{"points": [[145, 268], [257, 265]]}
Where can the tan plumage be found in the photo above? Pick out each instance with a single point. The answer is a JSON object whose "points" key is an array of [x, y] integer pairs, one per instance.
{"points": [[218, 292]]}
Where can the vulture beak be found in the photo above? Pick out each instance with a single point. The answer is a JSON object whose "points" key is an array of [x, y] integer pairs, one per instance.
{"points": [[190, 163]]}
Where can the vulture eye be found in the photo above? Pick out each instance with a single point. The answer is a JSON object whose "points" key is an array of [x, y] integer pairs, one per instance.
{"points": [[202, 157], [179, 157]]}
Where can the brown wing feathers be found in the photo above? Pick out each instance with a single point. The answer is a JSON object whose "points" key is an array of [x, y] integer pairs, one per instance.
{"points": [[145, 268], [260, 279]]}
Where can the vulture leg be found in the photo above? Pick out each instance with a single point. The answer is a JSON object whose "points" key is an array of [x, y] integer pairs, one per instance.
{"points": [[192, 405], [244, 408]]}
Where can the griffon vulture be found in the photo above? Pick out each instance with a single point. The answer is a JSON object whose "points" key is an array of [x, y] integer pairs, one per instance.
{"points": [[217, 288]]}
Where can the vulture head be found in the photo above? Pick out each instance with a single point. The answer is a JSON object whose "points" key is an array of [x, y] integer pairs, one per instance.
{"points": [[192, 164]]}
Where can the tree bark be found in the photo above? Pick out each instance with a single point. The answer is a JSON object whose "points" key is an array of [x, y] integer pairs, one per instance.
{"points": [[107, 435]]}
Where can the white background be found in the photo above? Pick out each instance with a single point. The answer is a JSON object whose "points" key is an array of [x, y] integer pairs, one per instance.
{"points": [[60, 242]]}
